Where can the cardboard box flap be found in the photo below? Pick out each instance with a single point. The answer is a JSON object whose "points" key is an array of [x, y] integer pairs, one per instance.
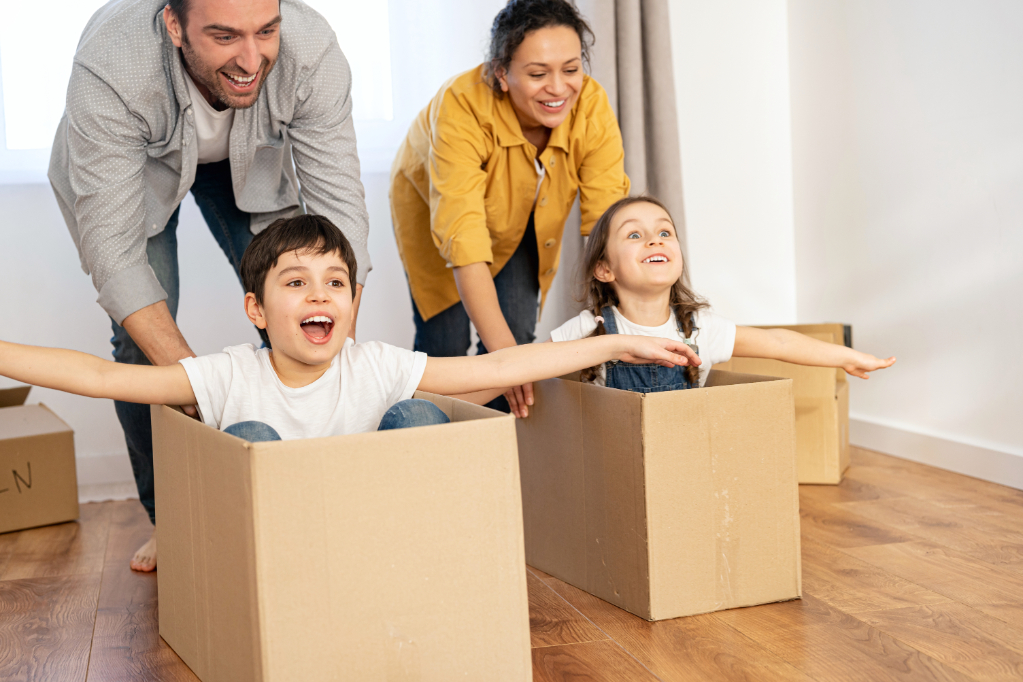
{"points": [[9, 397], [722, 496], [459, 410], [213, 538], [718, 377], [23, 421]]}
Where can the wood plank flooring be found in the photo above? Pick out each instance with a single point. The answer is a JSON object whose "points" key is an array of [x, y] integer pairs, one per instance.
{"points": [[909, 573]]}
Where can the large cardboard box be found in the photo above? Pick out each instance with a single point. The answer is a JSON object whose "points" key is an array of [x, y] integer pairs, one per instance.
{"points": [[38, 482], [395, 555], [665, 504], [822, 405]]}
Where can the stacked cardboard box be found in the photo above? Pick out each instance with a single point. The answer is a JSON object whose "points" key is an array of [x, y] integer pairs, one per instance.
{"points": [[822, 405], [394, 555], [38, 482], [665, 504]]}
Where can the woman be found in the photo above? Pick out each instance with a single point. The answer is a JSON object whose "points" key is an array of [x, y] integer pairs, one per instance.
{"points": [[486, 177]]}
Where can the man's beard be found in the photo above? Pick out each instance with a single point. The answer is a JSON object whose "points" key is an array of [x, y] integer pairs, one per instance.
{"points": [[210, 78]]}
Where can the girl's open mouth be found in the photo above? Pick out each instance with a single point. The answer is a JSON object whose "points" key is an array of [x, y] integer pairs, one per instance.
{"points": [[317, 328]]}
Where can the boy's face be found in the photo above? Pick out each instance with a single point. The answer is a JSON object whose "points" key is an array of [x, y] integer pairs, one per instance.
{"points": [[643, 254], [307, 307]]}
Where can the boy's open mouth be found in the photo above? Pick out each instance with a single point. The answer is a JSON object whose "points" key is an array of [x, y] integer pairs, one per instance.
{"points": [[317, 328]]}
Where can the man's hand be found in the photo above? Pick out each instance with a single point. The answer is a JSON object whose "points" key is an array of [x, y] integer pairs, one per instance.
{"points": [[154, 331]]}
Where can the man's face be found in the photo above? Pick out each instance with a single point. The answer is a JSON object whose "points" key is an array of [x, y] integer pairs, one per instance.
{"points": [[229, 47], [306, 308]]}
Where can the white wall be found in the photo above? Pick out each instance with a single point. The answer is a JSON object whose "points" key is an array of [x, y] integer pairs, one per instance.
{"points": [[908, 193], [731, 84]]}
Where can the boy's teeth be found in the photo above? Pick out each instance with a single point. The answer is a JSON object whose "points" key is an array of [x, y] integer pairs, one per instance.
{"points": [[316, 318]]}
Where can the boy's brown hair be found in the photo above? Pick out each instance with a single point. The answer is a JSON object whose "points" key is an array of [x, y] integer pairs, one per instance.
{"points": [[301, 233]]}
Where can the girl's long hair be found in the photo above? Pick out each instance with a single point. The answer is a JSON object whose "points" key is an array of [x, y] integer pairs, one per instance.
{"points": [[597, 295]]}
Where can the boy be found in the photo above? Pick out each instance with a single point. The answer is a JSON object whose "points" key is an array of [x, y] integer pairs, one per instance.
{"points": [[313, 381]]}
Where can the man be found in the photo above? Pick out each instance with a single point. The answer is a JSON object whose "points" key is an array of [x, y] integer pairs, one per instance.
{"points": [[216, 97]]}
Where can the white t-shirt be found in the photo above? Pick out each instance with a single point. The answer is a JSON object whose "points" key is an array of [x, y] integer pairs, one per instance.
{"points": [[363, 381], [715, 337], [212, 127]]}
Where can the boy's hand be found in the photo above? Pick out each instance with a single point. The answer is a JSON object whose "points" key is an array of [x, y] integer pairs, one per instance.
{"points": [[864, 362], [665, 352]]}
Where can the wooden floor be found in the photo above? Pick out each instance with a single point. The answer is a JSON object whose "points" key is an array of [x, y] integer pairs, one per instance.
{"points": [[909, 573]]}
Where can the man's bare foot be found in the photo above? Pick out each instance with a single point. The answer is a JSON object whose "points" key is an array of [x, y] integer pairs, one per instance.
{"points": [[145, 559]]}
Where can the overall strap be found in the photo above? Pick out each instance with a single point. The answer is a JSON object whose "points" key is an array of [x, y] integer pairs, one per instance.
{"points": [[610, 325]]}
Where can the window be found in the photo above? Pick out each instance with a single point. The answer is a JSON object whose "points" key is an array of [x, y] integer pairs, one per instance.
{"points": [[400, 52]]}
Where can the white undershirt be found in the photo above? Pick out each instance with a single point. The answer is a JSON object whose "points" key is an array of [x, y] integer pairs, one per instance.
{"points": [[540, 172], [212, 127]]}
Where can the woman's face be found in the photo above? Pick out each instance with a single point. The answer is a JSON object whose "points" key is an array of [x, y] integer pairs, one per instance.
{"points": [[544, 77]]}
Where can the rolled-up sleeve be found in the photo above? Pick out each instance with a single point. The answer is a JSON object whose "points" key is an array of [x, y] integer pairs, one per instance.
{"points": [[458, 216], [107, 150], [602, 179], [326, 157]]}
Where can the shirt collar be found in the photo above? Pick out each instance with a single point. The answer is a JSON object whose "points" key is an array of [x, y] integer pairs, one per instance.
{"points": [[509, 132]]}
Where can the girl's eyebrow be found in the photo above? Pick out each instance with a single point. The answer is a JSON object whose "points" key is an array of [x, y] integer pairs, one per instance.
{"points": [[664, 219]]}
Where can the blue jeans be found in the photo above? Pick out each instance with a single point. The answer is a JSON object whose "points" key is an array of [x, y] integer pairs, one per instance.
{"points": [[214, 195], [447, 333], [402, 415]]}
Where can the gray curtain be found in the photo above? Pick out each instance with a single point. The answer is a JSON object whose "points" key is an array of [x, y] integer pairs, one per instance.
{"points": [[632, 60]]}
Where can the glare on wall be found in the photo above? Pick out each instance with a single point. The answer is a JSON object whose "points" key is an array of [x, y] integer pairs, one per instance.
{"points": [[38, 42]]}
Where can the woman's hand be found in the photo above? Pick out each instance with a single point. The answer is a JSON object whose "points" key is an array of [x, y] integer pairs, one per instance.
{"points": [[861, 363], [665, 352], [519, 398]]}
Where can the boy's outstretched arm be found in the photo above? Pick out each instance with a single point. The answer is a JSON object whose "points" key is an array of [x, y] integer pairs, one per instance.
{"points": [[800, 349], [84, 374], [518, 365]]}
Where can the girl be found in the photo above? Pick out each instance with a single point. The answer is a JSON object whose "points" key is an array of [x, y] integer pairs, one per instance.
{"points": [[632, 269]]}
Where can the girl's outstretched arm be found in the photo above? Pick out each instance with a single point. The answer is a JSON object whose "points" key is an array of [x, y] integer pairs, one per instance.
{"points": [[537, 361], [800, 349], [84, 374]]}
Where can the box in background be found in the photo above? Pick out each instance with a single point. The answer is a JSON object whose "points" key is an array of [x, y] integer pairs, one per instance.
{"points": [[38, 482], [665, 504], [822, 404], [377, 556]]}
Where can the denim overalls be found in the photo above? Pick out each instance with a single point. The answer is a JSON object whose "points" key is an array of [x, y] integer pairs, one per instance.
{"points": [[649, 378]]}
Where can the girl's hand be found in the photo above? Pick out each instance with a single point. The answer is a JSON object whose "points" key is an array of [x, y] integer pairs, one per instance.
{"points": [[665, 352], [864, 362]]}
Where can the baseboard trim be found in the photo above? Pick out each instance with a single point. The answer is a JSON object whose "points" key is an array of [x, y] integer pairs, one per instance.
{"points": [[996, 466], [105, 477]]}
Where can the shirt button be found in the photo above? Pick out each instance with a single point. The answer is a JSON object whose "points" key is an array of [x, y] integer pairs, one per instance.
{"points": [[552, 161], [543, 202], [550, 271], [549, 243]]}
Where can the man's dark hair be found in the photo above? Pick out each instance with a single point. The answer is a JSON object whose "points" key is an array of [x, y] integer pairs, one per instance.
{"points": [[518, 19], [301, 233], [180, 9]]}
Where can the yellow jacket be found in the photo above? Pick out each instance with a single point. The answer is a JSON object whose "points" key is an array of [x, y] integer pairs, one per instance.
{"points": [[463, 183]]}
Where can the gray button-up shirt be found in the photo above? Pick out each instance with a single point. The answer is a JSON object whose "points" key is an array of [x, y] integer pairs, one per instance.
{"points": [[125, 152]]}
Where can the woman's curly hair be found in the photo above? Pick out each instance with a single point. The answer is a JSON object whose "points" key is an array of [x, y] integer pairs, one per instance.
{"points": [[520, 18]]}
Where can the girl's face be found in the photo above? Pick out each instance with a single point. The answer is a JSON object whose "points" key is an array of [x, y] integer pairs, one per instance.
{"points": [[544, 77], [642, 255]]}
